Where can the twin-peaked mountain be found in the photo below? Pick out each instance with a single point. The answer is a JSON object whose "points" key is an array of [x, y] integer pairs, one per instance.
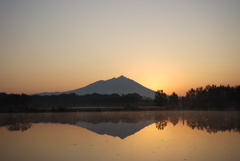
{"points": [[120, 85]]}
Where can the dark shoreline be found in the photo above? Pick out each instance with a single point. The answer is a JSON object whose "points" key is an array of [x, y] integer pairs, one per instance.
{"points": [[105, 109], [210, 98], [84, 109]]}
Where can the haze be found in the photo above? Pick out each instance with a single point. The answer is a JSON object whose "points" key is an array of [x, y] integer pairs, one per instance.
{"points": [[58, 45]]}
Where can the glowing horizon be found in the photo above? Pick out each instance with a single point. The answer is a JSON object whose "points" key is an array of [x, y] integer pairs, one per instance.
{"points": [[49, 46]]}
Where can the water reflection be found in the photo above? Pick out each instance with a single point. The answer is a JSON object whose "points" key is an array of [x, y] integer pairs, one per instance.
{"points": [[17, 123], [124, 124], [19, 126], [138, 136], [211, 122], [161, 124]]}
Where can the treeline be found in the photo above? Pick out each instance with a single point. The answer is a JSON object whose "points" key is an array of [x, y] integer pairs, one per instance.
{"points": [[214, 97], [23, 102], [209, 98]]}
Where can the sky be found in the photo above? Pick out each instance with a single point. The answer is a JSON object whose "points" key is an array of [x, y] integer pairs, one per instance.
{"points": [[174, 45]]}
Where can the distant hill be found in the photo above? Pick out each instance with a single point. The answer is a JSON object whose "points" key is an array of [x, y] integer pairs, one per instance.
{"points": [[120, 85]]}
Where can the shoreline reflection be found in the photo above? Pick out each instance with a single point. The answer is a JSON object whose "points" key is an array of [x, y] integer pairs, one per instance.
{"points": [[211, 122], [124, 124]]}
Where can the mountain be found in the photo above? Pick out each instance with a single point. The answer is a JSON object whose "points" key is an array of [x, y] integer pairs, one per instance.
{"points": [[120, 85]]}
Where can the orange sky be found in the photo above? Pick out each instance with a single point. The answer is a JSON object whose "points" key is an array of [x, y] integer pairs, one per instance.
{"points": [[48, 46]]}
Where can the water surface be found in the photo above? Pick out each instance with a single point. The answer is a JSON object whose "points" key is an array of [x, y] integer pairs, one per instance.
{"points": [[118, 136]]}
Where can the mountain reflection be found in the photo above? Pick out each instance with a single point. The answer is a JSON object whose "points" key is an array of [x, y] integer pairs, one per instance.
{"points": [[123, 124]]}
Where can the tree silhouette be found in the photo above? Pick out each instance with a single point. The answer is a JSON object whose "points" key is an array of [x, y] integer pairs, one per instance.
{"points": [[213, 97], [160, 98], [173, 100]]}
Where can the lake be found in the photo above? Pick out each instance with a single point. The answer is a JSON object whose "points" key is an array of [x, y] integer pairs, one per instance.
{"points": [[121, 136]]}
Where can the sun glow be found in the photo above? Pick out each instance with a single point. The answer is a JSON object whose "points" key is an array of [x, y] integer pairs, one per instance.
{"points": [[162, 45]]}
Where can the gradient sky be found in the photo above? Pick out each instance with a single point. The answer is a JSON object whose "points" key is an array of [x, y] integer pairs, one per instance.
{"points": [[174, 45]]}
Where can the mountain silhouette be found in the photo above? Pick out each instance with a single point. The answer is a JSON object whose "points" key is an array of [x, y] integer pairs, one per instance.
{"points": [[120, 129], [120, 85]]}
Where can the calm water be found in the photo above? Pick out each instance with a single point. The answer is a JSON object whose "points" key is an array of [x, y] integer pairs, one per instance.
{"points": [[120, 136]]}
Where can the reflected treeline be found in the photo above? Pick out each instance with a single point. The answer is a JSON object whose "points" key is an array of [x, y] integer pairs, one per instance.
{"points": [[212, 121], [17, 124], [161, 124]]}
